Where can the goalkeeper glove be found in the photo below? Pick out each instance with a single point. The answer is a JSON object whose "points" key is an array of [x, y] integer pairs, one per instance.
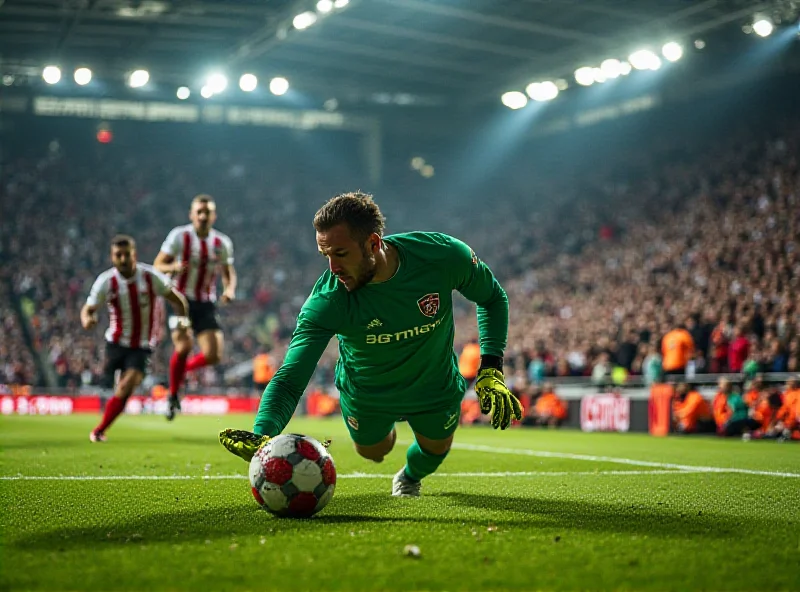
{"points": [[495, 398], [242, 443]]}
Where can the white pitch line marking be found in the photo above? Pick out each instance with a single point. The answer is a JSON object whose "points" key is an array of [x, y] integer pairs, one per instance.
{"points": [[622, 461], [347, 476]]}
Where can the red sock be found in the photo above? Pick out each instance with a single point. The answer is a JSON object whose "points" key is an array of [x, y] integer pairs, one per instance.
{"points": [[197, 361], [114, 407], [177, 371]]}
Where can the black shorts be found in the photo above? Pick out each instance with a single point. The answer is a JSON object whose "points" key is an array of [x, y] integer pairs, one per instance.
{"points": [[123, 358], [203, 316]]}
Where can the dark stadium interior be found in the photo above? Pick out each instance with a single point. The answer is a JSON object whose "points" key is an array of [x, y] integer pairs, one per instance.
{"points": [[626, 172], [623, 209]]}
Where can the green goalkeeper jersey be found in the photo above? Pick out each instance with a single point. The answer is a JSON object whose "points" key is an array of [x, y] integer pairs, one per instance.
{"points": [[395, 337]]}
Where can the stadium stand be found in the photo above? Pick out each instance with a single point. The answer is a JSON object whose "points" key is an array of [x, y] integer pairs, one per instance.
{"points": [[705, 239]]}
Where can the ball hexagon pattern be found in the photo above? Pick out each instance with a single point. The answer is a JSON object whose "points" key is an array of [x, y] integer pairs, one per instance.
{"points": [[292, 475]]}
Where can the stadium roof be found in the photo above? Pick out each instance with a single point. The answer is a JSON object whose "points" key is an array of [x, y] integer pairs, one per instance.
{"points": [[403, 51]]}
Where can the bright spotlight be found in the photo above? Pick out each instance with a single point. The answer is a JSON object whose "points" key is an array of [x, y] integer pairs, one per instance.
{"points": [[624, 68], [51, 74], [763, 27], [340, 3], [644, 59], [562, 84], [672, 51], [427, 171], [655, 63], [584, 76], [183, 93], [216, 83], [278, 86], [206, 92], [699, 44], [542, 91], [598, 76], [304, 20], [610, 68], [324, 6], [514, 99], [417, 163], [248, 82], [138, 78], [83, 76]]}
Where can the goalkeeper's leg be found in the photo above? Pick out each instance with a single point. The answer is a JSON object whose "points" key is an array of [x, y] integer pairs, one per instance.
{"points": [[433, 437], [372, 432]]}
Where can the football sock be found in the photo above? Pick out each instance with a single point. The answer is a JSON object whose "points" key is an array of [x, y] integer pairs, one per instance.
{"points": [[114, 407], [420, 464], [177, 370], [196, 361]]}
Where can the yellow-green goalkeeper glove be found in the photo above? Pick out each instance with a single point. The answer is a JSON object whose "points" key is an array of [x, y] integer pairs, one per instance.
{"points": [[242, 443], [495, 398]]}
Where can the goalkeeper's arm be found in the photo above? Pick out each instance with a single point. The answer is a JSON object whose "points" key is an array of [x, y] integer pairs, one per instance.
{"points": [[283, 392], [477, 283]]}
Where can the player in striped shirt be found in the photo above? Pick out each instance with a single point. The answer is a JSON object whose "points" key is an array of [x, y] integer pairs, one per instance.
{"points": [[193, 255], [131, 291]]}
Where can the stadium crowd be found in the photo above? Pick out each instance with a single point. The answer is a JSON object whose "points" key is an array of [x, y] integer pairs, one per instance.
{"points": [[704, 239]]}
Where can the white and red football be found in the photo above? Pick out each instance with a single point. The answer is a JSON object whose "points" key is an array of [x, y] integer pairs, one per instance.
{"points": [[292, 475]]}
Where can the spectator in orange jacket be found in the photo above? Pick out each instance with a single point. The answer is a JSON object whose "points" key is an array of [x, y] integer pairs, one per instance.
{"points": [[677, 348], [470, 361], [788, 416], [691, 412], [720, 404], [549, 409], [752, 396], [766, 412]]}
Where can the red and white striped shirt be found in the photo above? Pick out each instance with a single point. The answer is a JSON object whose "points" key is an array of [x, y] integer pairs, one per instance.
{"points": [[198, 280], [132, 305]]}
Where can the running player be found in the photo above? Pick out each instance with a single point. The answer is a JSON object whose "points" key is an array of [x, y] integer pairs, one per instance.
{"points": [[389, 302], [131, 290], [193, 254]]}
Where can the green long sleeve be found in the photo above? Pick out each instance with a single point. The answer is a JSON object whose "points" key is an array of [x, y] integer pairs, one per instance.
{"points": [[477, 283], [284, 391]]}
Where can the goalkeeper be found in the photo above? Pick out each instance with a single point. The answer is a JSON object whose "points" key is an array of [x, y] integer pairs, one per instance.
{"points": [[389, 301]]}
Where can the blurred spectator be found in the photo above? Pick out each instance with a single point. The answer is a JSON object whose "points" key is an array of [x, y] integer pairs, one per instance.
{"points": [[264, 369], [470, 360], [691, 412], [765, 412], [548, 409], [739, 350], [753, 393], [677, 348], [787, 418], [731, 413]]}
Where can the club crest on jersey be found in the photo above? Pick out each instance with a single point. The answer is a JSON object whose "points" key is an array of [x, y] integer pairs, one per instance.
{"points": [[429, 304], [352, 422]]}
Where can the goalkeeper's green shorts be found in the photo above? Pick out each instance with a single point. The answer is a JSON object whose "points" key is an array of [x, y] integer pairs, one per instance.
{"points": [[371, 427]]}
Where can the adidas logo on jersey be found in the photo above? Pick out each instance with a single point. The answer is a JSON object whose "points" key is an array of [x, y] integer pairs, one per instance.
{"points": [[374, 323]]}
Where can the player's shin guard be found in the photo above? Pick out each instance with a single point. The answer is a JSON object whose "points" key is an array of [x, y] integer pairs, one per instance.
{"points": [[177, 371], [420, 464]]}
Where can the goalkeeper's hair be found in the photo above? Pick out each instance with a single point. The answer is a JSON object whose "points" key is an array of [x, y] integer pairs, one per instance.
{"points": [[357, 210]]}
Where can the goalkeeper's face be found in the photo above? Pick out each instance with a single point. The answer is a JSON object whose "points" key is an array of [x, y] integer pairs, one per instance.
{"points": [[350, 260]]}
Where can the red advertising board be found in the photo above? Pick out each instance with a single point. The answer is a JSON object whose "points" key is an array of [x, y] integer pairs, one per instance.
{"points": [[660, 409], [605, 413], [47, 405], [63, 405]]}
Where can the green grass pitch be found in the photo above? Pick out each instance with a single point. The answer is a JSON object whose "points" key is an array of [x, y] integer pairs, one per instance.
{"points": [[170, 509]]}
